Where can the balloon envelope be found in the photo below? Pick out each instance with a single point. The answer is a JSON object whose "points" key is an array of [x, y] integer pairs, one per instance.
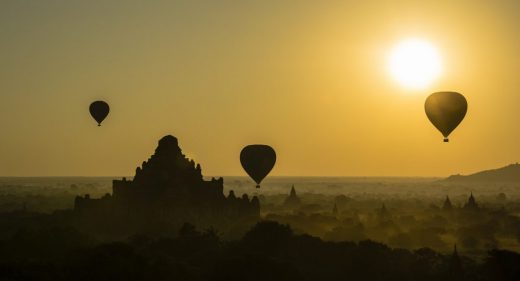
{"points": [[99, 111], [446, 110], [258, 160]]}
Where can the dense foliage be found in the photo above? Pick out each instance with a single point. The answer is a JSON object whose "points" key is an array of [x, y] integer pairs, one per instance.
{"points": [[269, 251]]}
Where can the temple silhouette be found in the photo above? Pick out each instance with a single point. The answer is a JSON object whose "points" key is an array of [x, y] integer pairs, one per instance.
{"points": [[292, 201], [167, 191], [447, 206], [470, 205]]}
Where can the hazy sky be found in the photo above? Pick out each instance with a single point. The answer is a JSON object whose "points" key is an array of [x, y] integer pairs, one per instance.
{"points": [[306, 77]]}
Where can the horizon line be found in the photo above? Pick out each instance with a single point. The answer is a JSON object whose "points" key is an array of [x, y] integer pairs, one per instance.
{"points": [[234, 176]]}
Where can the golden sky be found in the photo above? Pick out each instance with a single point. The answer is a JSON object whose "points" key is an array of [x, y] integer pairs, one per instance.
{"points": [[308, 78]]}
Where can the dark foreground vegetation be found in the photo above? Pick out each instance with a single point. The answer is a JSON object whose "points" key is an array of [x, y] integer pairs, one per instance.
{"points": [[269, 251]]}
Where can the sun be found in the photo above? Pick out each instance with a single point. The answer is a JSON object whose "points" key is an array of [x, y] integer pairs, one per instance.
{"points": [[415, 63]]}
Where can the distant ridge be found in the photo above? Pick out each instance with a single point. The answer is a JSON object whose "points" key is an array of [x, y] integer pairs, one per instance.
{"points": [[509, 173]]}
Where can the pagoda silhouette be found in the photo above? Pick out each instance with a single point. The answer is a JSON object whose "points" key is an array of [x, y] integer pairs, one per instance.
{"points": [[472, 203], [447, 206], [167, 191], [292, 201]]}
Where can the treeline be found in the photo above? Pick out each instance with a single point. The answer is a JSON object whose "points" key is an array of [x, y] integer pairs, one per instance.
{"points": [[269, 251]]}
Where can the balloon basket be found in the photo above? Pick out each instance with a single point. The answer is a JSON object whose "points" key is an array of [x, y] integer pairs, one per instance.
{"points": [[257, 186], [446, 140]]}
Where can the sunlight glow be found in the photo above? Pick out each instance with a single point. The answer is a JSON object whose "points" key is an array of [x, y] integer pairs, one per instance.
{"points": [[415, 63]]}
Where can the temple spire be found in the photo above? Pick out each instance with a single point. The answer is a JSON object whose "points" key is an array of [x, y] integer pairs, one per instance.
{"points": [[456, 272], [447, 204]]}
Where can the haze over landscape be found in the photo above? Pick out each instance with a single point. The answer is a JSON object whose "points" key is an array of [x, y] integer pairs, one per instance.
{"points": [[259, 140]]}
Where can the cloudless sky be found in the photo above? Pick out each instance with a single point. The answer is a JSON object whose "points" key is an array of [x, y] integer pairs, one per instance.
{"points": [[306, 77]]}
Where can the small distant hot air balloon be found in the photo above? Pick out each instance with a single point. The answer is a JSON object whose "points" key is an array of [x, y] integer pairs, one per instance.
{"points": [[258, 160], [99, 111], [446, 110]]}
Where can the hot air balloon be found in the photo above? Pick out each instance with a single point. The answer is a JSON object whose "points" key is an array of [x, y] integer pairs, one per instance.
{"points": [[446, 110], [257, 160], [99, 111]]}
